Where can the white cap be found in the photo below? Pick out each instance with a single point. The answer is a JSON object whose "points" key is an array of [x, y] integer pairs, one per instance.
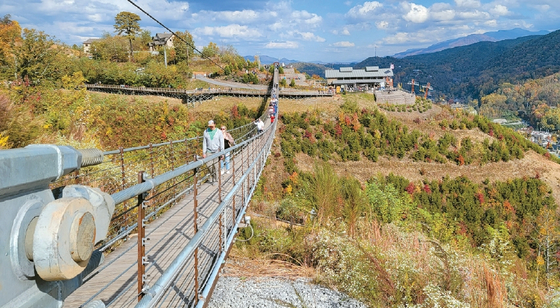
{"points": [[211, 123]]}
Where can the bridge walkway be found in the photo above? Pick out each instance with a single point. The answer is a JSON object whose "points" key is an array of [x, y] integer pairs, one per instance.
{"points": [[115, 281]]}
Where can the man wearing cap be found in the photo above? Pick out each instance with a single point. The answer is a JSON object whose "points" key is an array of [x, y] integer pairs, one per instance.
{"points": [[212, 142]]}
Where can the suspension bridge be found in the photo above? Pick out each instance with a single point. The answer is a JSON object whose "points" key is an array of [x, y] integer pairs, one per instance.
{"points": [[192, 97], [135, 227]]}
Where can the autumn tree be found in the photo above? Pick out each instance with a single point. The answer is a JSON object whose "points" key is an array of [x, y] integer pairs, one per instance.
{"points": [[10, 35], [35, 56], [547, 239], [127, 23]]}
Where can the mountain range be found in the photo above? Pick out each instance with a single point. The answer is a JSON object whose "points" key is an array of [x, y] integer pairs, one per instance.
{"points": [[469, 71], [478, 69], [269, 60], [471, 39]]}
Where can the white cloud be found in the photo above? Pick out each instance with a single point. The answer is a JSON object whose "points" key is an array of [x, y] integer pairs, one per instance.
{"points": [[306, 17], [306, 36], [442, 12], [276, 26], [471, 4], [344, 31], [500, 10], [239, 17], [422, 37], [382, 25], [417, 13], [474, 15], [364, 11], [443, 15], [282, 45], [230, 31], [398, 38], [343, 44]]}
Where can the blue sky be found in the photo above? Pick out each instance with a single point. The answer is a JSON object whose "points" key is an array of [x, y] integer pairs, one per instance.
{"points": [[327, 30]]}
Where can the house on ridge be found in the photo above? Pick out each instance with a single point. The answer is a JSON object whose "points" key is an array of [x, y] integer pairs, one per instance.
{"points": [[87, 45], [161, 39]]}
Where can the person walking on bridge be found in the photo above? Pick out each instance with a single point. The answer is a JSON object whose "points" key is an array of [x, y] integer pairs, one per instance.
{"points": [[260, 125], [212, 142], [229, 141]]}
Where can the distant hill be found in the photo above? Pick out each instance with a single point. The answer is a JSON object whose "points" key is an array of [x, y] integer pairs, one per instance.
{"points": [[318, 69], [269, 60], [478, 69], [471, 39]]}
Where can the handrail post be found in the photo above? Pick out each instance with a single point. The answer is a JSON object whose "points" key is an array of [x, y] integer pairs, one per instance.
{"points": [[234, 197], [172, 159], [195, 226], [141, 240], [219, 178], [121, 150], [151, 160]]}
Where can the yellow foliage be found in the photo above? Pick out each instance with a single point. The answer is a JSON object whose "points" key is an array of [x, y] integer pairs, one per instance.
{"points": [[4, 141], [341, 118], [72, 82], [540, 261], [377, 134], [288, 189]]}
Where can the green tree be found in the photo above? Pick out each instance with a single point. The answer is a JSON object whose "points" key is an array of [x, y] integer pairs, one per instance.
{"points": [[145, 38], [210, 51], [293, 83], [184, 46], [127, 23], [110, 48]]}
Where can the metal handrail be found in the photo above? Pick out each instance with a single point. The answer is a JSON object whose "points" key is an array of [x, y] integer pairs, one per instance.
{"points": [[253, 150], [162, 284]]}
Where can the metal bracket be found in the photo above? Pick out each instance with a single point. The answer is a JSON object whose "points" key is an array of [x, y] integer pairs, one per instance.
{"points": [[145, 260]]}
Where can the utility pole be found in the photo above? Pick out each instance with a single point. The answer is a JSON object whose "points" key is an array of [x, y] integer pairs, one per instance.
{"points": [[165, 55]]}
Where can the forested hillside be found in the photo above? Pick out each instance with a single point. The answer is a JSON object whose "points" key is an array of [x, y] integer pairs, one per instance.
{"points": [[535, 100], [412, 236], [471, 71]]}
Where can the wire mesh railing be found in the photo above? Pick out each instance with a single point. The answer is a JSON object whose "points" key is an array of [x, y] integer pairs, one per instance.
{"points": [[183, 250]]}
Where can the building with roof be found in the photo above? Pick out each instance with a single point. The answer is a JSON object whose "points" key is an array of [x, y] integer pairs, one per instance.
{"points": [[161, 39], [87, 45], [371, 76]]}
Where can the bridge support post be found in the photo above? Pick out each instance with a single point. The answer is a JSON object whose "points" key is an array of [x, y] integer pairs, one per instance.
{"points": [[141, 240]]}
